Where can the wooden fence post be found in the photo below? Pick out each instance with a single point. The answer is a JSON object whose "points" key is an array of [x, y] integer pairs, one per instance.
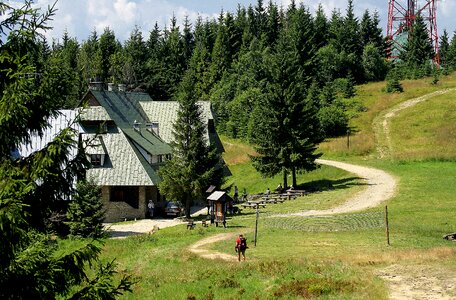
{"points": [[387, 225]]}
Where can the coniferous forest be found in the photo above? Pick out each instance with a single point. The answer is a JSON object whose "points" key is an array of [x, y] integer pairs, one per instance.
{"points": [[239, 59]]}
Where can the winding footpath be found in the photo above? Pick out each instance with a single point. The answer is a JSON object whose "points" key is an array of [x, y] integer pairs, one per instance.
{"points": [[382, 122], [404, 282], [381, 186]]}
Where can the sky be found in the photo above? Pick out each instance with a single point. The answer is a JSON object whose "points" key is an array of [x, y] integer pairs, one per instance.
{"points": [[80, 17]]}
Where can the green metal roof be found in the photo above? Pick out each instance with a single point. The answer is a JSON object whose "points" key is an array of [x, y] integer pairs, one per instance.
{"points": [[124, 109], [123, 166], [165, 113]]}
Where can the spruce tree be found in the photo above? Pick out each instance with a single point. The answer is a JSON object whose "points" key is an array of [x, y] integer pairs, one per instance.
{"points": [[194, 165], [107, 46], [33, 265], [451, 56], [286, 131], [444, 48], [273, 24], [418, 50], [86, 61], [134, 55], [320, 27], [85, 213]]}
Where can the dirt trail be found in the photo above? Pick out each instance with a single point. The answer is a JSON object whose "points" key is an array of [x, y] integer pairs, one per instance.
{"points": [[381, 123], [381, 186], [198, 247]]}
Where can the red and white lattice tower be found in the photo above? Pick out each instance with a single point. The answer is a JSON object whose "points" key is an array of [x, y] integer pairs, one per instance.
{"points": [[401, 14]]}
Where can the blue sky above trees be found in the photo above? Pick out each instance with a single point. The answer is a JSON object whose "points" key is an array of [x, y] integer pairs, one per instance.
{"points": [[81, 17]]}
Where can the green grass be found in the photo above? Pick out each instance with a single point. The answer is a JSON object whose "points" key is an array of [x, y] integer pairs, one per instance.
{"points": [[306, 257], [165, 270], [431, 130], [371, 96]]}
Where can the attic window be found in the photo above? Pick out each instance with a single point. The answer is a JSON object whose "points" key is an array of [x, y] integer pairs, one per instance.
{"points": [[103, 128], [95, 159]]}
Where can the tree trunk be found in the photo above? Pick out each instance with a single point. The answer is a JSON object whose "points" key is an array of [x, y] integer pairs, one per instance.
{"points": [[285, 180], [294, 177], [187, 206]]}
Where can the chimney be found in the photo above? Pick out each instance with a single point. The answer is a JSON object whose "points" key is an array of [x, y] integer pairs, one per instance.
{"points": [[96, 86], [112, 87]]}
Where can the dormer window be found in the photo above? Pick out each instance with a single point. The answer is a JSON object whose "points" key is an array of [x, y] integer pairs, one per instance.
{"points": [[96, 159], [103, 128], [95, 150]]}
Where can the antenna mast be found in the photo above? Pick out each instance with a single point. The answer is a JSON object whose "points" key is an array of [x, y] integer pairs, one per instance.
{"points": [[401, 14]]}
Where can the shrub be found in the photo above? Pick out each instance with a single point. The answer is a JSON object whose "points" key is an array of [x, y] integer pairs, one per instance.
{"points": [[333, 119], [394, 86], [85, 213]]}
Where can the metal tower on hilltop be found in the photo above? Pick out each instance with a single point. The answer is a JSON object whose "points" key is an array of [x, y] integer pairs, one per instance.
{"points": [[401, 14]]}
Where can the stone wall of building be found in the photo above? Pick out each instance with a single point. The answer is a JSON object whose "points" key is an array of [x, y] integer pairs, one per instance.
{"points": [[120, 211]]}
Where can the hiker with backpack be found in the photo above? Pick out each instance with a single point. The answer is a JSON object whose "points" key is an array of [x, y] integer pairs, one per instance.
{"points": [[241, 246]]}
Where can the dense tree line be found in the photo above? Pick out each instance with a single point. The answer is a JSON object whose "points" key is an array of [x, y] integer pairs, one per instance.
{"points": [[227, 55], [317, 61], [262, 61]]}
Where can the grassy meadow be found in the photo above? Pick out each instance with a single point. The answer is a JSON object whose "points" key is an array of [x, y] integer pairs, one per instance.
{"points": [[340, 257]]}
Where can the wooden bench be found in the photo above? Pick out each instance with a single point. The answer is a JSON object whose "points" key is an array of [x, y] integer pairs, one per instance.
{"points": [[204, 223], [253, 205], [297, 192], [190, 224], [275, 201]]}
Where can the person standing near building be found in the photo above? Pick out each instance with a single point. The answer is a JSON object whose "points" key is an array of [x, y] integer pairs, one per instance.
{"points": [[241, 246], [151, 208]]}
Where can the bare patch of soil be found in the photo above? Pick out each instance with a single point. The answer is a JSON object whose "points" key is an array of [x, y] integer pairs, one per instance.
{"points": [[419, 282]]}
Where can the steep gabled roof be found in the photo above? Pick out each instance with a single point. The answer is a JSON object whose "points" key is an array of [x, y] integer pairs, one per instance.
{"points": [[123, 165], [165, 113], [124, 109]]}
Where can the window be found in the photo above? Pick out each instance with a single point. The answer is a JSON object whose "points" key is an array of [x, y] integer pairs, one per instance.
{"points": [[127, 194], [103, 128], [95, 159], [157, 159]]}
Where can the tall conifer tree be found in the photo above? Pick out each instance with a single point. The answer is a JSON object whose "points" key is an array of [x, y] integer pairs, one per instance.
{"points": [[194, 165], [418, 50], [286, 129]]}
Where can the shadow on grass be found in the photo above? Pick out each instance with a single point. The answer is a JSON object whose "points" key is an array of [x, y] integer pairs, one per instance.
{"points": [[122, 234], [327, 185]]}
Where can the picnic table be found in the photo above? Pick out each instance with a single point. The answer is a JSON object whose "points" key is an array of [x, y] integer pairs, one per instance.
{"points": [[297, 192], [253, 204], [274, 200]]}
